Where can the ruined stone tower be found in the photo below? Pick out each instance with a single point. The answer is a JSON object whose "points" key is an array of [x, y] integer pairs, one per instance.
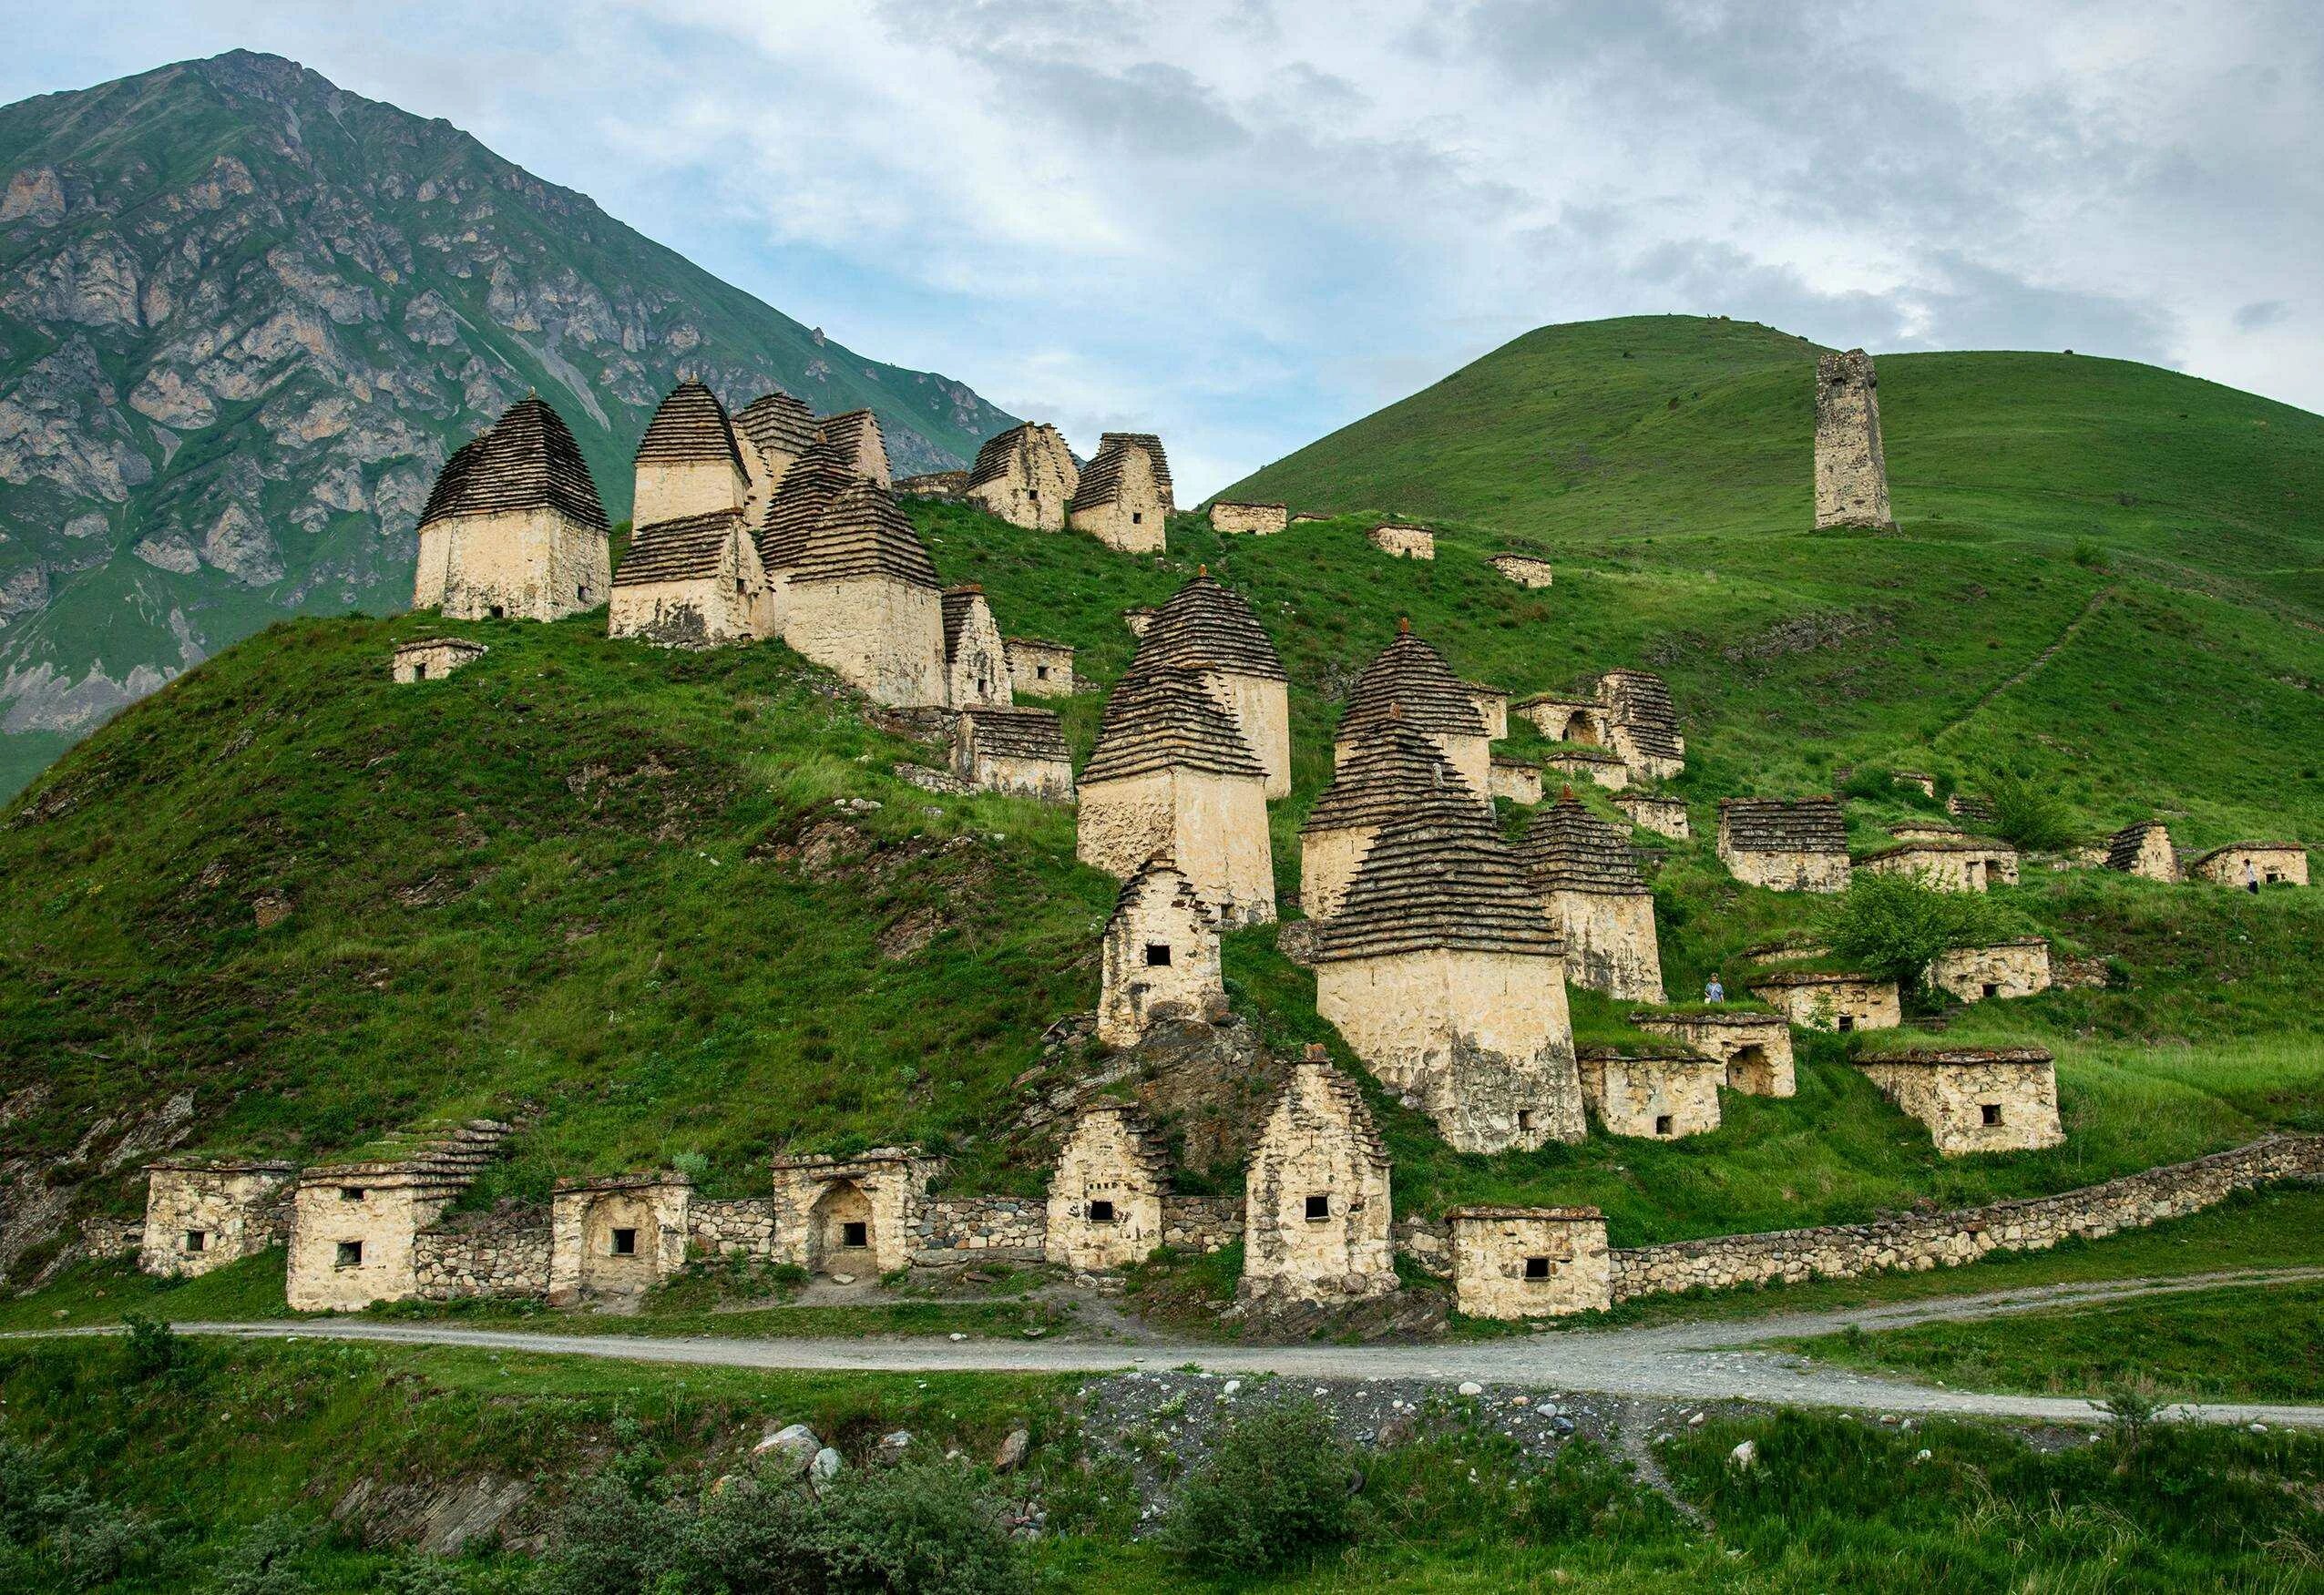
{"points": [[1172, 773], [975, 658], [1105, 1201], [1160, 958], [1208, 628], [1582, 869], [1446, 974], [687, 462], [1315, 1204], [1410, 681], [1026, 476], [692, 582], [1124, 497], [514, 528], [1851, 473], [1393, 774]]}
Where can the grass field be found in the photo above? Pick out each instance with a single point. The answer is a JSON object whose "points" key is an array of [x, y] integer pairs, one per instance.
{"points": [[567, 883], [2241, 1343]]}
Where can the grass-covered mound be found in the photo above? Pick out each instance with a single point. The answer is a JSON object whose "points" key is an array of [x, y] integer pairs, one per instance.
{"points": [[609, 886]]}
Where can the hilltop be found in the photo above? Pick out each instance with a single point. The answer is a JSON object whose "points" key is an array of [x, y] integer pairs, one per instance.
{"points": [[247, 315], [284, 906]]}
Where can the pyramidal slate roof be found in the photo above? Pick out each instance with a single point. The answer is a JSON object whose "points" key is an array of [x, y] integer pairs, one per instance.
{"points": [[994, 454], [685, 549], [1412, 677], [861, 533], [1394, 773], [1183, 894], [688, 427], [1205, 626], [1018, 733], [1441, 881], [1642, 702], [1164, 718], [846, 431], [1101, 483], [1568, 849], [2123, 847], [528, 460], [959, 603], [778, 424], [1784, 825], [806, 490]]}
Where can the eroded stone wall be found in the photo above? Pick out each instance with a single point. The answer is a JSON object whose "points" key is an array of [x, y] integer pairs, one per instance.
{"points": [[1610, 943], [1787, 872], [1134, 522], [977, 672], [883, 637], [958, 1231], [1327, 865], [817, 1201], [1851, 472], [1215, 826], [2272, 865], [1405, 542], [500, 1255], [1040, 669], [1755, 1048], [1260, 519], [200, 1217], [1662, 816], [1539, 1262], [379, 1215], [433, 659], [1663, 1097], [1607, 771], [524, 564], [1105, 1201], [1316, 1200], [1481, 1042], [2006, 969], [1990, 1105], [1522, 568], [1261, 711], [1839, 1005], [618, 1237], [1516, 782], [1950, 869], [1049, 780], [738, 1227], [709, 611], [1202, 1223], [676, 489], [1036, 486], [1160, 960]]}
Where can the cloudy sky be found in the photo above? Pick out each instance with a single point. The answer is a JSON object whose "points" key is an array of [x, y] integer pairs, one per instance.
{"points": [[1244, 222]]}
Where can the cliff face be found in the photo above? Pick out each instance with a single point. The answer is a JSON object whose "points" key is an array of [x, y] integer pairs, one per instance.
{"points": [[244, 315]]}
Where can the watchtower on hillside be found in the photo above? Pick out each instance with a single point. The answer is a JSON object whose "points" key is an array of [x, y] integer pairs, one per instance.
{"points": [[1851, 472], [514, 528], [1207, 629], [1584, 871], [859, 593], [1447, 979], [1124, 499], [1026, 476], [1410, 680]]}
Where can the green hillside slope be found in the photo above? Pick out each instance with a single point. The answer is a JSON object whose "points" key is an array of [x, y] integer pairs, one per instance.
{"points": [[613, 889]]}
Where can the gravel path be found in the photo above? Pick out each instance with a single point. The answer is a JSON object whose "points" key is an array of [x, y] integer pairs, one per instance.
{"points": [[1696, 1361]]}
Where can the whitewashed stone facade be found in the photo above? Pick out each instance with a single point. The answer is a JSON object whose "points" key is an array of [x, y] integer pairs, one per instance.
{"points": [[1973, 1099], [1524, 569], [202, 1214], [1851, 468], [1838, 1003], [1315, 1200], [616, 1237], [1660, 1095], [1582, 869], [1161, 955], [1105, 1201], [1530, 1261], [1040, 669], [431, 658], [2017, 967], [1026, 476], [1665, 816], [1755, 1048]]}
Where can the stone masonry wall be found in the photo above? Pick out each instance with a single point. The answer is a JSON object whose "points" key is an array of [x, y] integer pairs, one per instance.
{"points": [[1609, 943], [1215, 826], [1260, 519], [431, 659], [1949, 1239], [1788, 872], [1979, 1105], [198, 1219], [1511, 1262], [1522, 568], [954, 1230], [503, 1254], [1405, 542], [2010, 968], [740, 1227], [1837, 1005], [1262, 709], [1756, 1050], [1661, 1097], [531, 565], [1851, 472], [1202, 1223], [884, 637]]}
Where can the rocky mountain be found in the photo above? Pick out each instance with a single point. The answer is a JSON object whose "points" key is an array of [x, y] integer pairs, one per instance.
{"points": [[244, 315]]}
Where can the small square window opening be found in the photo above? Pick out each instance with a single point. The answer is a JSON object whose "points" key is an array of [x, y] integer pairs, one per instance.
{"points": [[855, 1233], [350, 1254], [1536, 1268], [625, 1242], [1101, 1212], [1318, 1208]]}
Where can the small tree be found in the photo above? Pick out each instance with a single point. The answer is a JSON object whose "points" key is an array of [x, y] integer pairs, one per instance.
{"points": [[2028, 813], [1896, 924], [1275, 1492]]}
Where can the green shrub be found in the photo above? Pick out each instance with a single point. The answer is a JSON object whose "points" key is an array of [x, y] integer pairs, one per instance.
{"points": [[1894, 925], [56, 1537], [153, 1348], [1275, 1492], [265, 1560], [2028, 813]]}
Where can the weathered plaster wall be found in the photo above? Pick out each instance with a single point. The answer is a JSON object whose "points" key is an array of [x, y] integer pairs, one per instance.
{"points": [[1571, 1267], [1610, 943], [708, 611], [1482, 1041], [1261, 711], [1215, 826], [2004, 970], [1327, 864], [674, 490], [1955, 1100], [1838, 1005], [883, 637], [201, 1218], [1134, 522], [1517, 783], [979, 672], [1661, 1097], [529, 565]]}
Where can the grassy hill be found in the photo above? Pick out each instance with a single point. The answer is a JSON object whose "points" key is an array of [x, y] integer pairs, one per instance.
{"points": [[609, 886]]}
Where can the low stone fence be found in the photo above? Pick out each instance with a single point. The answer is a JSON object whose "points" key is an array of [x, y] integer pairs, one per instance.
{"points": [[954, 1230], [1427, 1242], [1950, 1238], [738, 1228], [504, 1253], [1202, 1223]]}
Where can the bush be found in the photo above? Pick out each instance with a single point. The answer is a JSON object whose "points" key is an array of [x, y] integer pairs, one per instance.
{"points": [[265, 1561], [153, 1348], [1894, 924], [1275, 1491], [54, 1537], [2029, 814]]}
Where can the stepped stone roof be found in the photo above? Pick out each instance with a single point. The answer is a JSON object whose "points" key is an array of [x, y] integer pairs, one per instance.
{"points": [[2248, 847], [1735, 1017], [1164, 718], [1205, 626], [683, 549], [1929, 830], [1817, 977], [1501, 1211], [1394, 773], [1412, 677], [1019, 733], [993, 454], [1567, 848], [1184, 895], [2122, 847], [528, 460], [845, 430], [1349, 1099], [1581, 754], [815, 479], [1978, 809], [1784, 825], [1641, 702], [1938, 844], [959, 603], [688, 427], [1943, 1056], [860, 533], [1439, 881], [779, 423], [1101, 483], [1640, 1054]]}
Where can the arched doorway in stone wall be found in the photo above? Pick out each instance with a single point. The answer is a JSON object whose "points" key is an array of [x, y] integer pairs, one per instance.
{"points": [[840, 1231], [1583, 729], [1749, 1070]]}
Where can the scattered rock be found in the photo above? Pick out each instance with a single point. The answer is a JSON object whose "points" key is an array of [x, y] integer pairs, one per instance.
{"points": [[1744, 1457], [892, 1446], [1011, 1454], [796, 1447], [1471, 1387], [826, 1466]]}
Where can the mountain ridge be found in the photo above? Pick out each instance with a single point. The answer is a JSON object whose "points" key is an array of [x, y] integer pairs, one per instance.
{"points": [[248, 315]]}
